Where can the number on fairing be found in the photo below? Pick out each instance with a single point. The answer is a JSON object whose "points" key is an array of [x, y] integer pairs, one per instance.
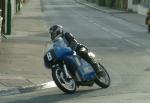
{"points": [[49, 56]]}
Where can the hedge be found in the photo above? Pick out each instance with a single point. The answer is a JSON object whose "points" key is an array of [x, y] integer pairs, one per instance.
{"points": [[109, 3], [101, 2]]}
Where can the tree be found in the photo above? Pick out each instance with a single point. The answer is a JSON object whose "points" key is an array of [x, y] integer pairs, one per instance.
{"points": [[101, 2], [109, 3]]}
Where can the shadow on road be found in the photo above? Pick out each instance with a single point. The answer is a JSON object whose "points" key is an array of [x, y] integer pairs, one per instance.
{"points": [[53, 98]]}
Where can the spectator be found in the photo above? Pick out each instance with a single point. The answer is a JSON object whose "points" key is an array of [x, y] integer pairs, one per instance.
{"points": [[147, 20], [148, 17], [148, 12]]}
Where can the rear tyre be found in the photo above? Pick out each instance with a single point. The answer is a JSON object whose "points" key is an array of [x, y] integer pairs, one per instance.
{"points": [[67, 85], [103, 80]]}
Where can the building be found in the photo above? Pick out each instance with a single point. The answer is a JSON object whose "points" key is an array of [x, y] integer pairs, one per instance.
{"points": [[3, 8], [139, 6], [9, 9]]}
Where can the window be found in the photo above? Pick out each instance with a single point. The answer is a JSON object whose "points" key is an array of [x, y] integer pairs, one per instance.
{"points": [[145, 3]]}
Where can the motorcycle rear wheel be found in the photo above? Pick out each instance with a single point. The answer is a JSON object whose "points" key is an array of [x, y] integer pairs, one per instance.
{"points": [[104, 79], [66, 85]]}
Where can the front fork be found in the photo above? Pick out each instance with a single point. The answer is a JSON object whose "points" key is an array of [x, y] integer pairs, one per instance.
{"points": [[66, 71]]}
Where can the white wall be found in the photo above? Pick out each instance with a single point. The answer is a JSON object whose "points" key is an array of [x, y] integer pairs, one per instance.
{"points": [[130, 4], [132, 7], [13, 2], [137, 8], [142, 10]]}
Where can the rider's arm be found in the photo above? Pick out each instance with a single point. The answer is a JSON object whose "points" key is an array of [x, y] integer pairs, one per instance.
{"points": [[69, 37], [71, 40]]}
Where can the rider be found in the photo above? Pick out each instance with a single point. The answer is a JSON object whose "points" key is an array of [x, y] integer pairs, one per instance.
{"points": [[57, 30], [147, 20], [148, 16]]}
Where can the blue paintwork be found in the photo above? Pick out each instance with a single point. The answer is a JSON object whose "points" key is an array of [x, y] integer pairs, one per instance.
{"points": [[84, 69], [61, 49]]}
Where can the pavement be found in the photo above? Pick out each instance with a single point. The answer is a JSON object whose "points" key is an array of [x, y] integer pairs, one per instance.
{"points": [[21, 55]]}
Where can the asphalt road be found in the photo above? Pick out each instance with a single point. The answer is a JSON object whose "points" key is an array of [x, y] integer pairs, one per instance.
{"points": [[123, 46]]}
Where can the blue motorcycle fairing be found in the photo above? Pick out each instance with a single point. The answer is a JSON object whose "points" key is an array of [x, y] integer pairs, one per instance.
{"points": [[49, 57], [65, 53], [84, 69]]}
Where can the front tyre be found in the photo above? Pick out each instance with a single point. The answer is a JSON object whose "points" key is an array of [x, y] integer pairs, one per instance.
{"points": [[103, 80], [67, 85]]}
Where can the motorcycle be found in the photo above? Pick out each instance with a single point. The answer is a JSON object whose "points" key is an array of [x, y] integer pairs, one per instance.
{"points": [[70, 71], [147, 22]]}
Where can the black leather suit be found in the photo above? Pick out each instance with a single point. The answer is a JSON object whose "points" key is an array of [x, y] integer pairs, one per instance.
{"points": [[72, 42]]}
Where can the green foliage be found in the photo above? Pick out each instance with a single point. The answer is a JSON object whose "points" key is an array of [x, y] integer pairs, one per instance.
{"points": [[108, 3], [101, 2], [118, 4], [92, 1]]}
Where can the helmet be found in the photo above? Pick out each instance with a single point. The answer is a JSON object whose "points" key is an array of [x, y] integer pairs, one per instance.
{"points": [[55, 30]]}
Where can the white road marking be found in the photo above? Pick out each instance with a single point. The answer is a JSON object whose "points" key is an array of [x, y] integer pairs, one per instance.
{"points": [[117, 31], [96, 24], [117, 35], [147, 50], [132, 42], [106, 29]]}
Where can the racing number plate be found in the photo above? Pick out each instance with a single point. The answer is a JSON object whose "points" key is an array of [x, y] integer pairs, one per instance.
{"points": [[49, 56]]}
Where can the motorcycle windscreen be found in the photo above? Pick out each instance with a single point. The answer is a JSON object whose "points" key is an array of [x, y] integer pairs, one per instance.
{"points": [[62, 52], [61, 49]]}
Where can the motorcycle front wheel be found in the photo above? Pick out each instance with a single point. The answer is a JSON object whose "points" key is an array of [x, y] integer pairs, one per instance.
{"points": [[103, 80], [67, 85]]}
